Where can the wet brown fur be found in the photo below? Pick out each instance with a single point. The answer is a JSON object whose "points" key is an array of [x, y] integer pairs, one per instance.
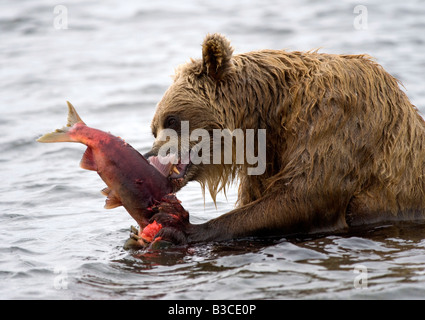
{"points": [[344, 144]]}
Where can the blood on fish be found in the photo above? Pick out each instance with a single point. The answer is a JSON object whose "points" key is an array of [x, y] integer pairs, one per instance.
{"points": [[149, 232]]}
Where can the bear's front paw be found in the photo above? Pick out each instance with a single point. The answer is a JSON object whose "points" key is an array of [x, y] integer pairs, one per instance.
{"points": [[172, 227], [169, 235], [167, 226]]}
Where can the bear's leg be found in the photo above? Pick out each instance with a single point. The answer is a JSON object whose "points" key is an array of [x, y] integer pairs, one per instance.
{"points": [[277, 213], [380, 205], [249, 190]]}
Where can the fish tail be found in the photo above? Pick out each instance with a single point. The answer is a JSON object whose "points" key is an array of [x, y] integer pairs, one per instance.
{"points": [[62, 135]]}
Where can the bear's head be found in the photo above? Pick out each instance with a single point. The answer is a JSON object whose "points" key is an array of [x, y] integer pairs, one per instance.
{"points": [[202, 117], [191, 109]]}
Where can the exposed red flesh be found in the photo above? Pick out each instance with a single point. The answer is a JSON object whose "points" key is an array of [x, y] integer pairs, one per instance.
{"points": [[149, 232]]}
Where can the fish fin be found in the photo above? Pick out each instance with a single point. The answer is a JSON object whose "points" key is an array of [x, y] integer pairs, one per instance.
{"points": [[61, 135], [87, 161], [112, 201], [73, 116], [105, 191]]}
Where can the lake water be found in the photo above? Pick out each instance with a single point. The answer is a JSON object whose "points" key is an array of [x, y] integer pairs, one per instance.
{"points": [[113, 61]]}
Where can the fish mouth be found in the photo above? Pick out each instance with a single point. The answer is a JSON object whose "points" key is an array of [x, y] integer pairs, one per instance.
{"points": [[179, 170], [171, 166]]}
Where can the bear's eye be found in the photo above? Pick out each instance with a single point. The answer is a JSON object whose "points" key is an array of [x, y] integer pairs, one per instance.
{"points": [[171, 122]]}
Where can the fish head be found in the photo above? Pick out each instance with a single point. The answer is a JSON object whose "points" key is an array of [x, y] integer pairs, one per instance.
{"points": [[178, 170]]}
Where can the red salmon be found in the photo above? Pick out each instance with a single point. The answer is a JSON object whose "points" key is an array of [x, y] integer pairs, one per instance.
{"points": [[132, 181]]}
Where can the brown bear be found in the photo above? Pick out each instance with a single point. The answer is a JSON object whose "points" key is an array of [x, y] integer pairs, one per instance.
{"points": [[344, 146]]}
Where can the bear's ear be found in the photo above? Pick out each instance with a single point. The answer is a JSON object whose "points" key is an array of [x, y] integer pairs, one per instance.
{"points": [[217, 56]]}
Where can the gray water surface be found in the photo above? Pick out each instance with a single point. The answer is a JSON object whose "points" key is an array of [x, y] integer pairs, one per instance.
{"points": [[114, 62]]}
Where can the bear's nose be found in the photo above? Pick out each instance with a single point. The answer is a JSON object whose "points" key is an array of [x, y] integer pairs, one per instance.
{"points": [[149, 154]]}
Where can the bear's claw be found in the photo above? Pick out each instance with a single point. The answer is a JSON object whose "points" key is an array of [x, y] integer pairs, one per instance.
{"points": [[135, 241]]}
